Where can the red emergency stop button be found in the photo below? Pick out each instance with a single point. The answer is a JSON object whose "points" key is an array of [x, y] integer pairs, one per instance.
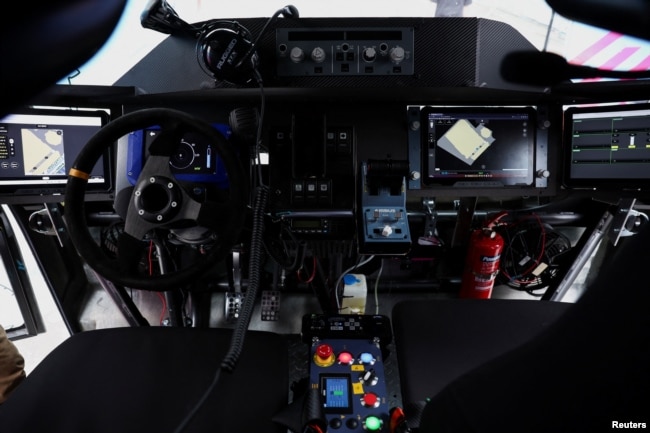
{"points": [[324, 355]]}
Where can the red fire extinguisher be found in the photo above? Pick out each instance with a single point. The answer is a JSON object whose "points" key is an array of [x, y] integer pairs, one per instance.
{"points": [[482, 262]]}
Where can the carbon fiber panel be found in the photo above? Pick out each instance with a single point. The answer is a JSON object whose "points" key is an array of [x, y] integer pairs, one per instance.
{"points": [[449, 52]]}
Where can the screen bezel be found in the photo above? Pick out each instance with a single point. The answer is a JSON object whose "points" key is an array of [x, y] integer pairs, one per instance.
{"points": [[46, 189], [603, 181], [527, 180]]}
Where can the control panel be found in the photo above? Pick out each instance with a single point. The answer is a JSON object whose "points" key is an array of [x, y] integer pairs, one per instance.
{"points": [[383, 208], [347, 367], [312, 173], [344, 52]]}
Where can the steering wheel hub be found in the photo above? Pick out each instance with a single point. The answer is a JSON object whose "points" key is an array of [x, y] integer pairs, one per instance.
{"points": [[157, 199]]}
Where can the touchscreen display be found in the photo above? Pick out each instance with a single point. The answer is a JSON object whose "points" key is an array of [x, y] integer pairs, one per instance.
{"points": [[478, 146], [38, 147], [607, 146]]}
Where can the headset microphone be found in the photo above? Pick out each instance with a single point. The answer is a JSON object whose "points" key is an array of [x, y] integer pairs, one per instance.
{"points": [[547, 69], [158, 15]]}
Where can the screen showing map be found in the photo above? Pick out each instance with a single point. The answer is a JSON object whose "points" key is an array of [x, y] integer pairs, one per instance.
{"points": [[37, 147], [477, 146], [43, 152]]}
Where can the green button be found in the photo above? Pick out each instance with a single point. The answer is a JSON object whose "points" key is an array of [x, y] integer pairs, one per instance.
{"points": [[372, 423]]}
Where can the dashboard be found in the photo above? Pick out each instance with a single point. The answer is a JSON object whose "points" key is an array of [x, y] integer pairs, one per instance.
{"points": [[390, 137], [316, 162]]}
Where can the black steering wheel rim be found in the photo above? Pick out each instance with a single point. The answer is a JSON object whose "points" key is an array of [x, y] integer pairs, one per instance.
{"points": [[231, 223]]}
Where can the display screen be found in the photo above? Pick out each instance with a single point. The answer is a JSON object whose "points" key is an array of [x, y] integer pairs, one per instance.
{"points": [[38, 147], [195, 159], [607, 147], [337, 395], [478, 146]]}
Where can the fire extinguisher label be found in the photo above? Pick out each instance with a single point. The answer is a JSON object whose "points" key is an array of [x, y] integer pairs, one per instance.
{"points": [[483, 282], [489, 264]]}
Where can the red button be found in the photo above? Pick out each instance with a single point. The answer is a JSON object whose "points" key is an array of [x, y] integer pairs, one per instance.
{"points": [[346, 358], [324, 351], [370, 400]]}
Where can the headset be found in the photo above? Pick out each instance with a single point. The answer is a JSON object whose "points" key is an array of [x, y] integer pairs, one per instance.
{"points": [[225, 49]]}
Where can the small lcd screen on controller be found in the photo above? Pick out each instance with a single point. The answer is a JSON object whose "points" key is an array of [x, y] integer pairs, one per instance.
{"points": [[336, 393]]}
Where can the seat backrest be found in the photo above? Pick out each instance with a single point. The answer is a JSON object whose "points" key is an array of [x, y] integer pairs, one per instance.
{"points": [[588, 370]]}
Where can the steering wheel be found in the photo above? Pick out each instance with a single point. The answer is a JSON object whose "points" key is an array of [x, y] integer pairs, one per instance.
{"points": [[157, 201]]}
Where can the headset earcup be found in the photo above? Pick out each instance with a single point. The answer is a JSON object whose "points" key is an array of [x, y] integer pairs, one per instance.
{"points": [[222, 47]]}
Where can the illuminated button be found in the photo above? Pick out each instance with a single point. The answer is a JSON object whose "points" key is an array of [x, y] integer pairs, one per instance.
{"points": [[370, 399], [346, 358], [366, 358], [324, 356], [372, 423]]}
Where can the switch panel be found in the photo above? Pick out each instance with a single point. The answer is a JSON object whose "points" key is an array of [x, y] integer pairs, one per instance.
{"points": [[344, 52]]}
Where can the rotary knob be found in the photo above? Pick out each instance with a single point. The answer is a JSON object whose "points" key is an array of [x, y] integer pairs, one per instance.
{"points": [[318, 55], [369, 377], [369, 54], [397, 54], [297, 55]]}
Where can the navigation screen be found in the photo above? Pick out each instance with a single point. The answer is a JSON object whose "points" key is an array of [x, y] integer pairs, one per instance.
{"points": [[337, 395], [37, 147], [476, 146], [607, 146], [44, 153]]}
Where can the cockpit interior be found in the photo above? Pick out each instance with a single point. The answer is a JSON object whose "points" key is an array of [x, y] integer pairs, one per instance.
{"points": [[332, 218]]}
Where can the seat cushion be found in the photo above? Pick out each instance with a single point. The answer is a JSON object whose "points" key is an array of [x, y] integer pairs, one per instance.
{"points": [[437, 341], [148, 379]]}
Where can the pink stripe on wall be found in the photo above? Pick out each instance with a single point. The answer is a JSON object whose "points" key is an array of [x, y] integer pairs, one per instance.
{"points": [[596, 47], [620, 57], [643, 66]]}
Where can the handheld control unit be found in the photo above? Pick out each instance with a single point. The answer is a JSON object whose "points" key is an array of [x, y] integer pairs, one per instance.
{"points": [[346, 359]]}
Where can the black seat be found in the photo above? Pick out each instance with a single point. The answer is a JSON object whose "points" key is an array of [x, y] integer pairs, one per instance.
{"points": [[147, 379], [537, 366], [437, 341]]}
